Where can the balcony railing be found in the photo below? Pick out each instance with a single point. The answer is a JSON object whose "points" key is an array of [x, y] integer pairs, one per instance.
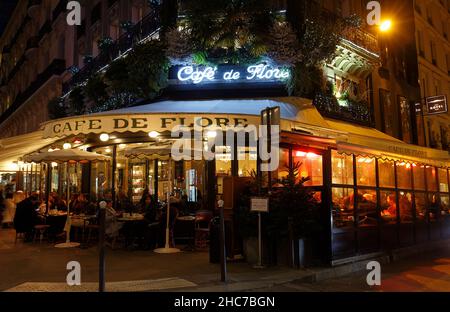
{"points": [[57, 67], [60, 8], [16, 68], [33, 4], [354, 112], [6, 49], [362, 39], [146, 27], [45, 29], [32, 43]]}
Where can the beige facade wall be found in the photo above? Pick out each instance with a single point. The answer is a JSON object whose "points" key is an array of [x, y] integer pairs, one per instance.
{"points": [[432, 19], [60, 43]]}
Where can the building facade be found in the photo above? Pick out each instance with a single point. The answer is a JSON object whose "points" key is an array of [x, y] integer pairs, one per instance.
{"points": [[433, 52], [375, 188], [38, 47]]}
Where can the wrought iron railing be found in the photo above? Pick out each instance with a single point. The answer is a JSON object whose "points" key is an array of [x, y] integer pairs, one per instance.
{"points": [[146, 27], [60, 8], [353, 111], [362, 39]]}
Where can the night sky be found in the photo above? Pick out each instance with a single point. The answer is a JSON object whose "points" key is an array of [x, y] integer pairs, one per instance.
{"points": [[6, 9]]}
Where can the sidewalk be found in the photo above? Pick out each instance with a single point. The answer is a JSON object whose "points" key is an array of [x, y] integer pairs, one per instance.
{"points": [[35, 267]]}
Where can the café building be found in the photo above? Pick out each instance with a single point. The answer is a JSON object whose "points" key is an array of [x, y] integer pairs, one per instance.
{"points": [[376, 192]]}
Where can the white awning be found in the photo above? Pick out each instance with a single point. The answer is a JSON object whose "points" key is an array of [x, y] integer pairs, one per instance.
{"points": [[13, 149]]}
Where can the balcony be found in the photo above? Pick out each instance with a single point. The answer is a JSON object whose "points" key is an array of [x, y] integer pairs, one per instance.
{"points": [[33, 7], [6, 50], [45, 29], [32, 43], [57, 67], [362, 39], [16, 68], [147, 26], [353, 112], [111, 3], [19, 30], [59, 9]]}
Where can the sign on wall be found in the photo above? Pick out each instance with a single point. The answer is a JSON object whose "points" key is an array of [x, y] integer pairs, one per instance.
{"points": [[228, 74], [436, 105], [260, 204]]}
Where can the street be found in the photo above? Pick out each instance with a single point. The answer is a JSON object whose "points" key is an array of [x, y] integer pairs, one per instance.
{"points": [[41, 267], [425, 273]]}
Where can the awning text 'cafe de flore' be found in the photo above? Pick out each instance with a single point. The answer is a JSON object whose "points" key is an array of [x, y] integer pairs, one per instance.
{"points": [[356, 171]]}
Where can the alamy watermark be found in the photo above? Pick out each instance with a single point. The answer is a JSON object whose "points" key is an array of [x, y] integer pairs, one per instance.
{"points": [[214, 142], [374, 276], [73, 278], [74, 13]]}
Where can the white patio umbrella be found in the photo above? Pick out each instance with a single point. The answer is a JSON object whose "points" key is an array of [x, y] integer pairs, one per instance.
{"points": [[164, 153], [66, 156]]}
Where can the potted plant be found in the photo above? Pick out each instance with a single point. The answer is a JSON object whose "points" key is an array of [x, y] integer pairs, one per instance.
{"points": [[293, 219]]}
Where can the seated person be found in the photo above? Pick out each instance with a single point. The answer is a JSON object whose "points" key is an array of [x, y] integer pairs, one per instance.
{"points": [[390, 211], [26, 216], [112, 226], [123, 203]]}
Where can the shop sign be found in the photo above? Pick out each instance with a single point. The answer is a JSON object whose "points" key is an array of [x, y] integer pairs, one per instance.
{"points": [[141, 123], [259, 204], [407, 151], [437, 105], [226, 74]]}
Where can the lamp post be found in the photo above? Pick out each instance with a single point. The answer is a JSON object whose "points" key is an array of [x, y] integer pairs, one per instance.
{"points": [[101, 263]]}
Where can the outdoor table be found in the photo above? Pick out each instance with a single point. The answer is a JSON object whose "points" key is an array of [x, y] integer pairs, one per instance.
{"points": [[130, 223], [57, 222], [185, 230], [85, 219]]}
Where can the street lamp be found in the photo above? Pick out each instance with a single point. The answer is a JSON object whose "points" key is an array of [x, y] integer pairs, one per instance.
{"points": [[386, 26]]}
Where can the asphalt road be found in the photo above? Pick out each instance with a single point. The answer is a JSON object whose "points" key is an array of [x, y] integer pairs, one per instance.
{"points": [[425, 273]]}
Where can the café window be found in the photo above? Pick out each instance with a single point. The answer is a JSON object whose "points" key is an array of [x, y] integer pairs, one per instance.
{"points": [[433, 206], [421, 207], [367, 208], [419, 177], [406, 207], [431, 178], [342, 166], [386, 173], [247, 157], [343, 207], [282, 171], [445, 205], [365, 171], [311, 167], [223, 160], [388, 206], [404, 178], [443, 180]]}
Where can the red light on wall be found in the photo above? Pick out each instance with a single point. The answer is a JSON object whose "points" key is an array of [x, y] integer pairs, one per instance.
{"points": [[77, 141]]}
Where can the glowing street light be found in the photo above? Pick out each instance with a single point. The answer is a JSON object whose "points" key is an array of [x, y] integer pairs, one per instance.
{"points": [[386, 26]]}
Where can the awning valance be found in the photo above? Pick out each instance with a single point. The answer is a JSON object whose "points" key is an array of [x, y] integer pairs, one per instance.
{"points": [[367, 141], [163, 116], [12, 149]]}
